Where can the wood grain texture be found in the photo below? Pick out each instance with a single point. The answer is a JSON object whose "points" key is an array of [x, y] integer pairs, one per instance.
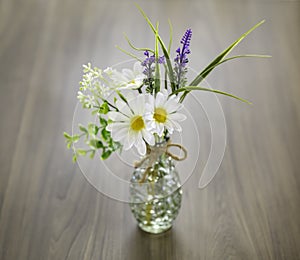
{"points": [[47, 208]]}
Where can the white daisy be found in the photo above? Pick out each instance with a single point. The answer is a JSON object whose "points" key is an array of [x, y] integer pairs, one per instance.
{"points": [[129, 79], [129, 126], [163, 113]]}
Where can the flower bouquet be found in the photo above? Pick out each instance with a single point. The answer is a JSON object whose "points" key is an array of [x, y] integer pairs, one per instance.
{"points": [[141, 108]]}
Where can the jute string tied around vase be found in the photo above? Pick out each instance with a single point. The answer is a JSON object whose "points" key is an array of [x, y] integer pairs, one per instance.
{"points": [[154, 152]]}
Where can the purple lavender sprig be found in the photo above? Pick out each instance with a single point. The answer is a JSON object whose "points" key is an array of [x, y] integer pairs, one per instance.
{"points": [[181, 59], [149, 69]]}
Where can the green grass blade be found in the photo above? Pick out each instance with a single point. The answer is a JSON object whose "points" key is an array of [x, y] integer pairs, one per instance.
{"points": [[206, 71], [237, 57], [157, 72], [221, 56], [171, 36], [163, 47], [128, 53], [166, 77], [135, 48], [218, 60], [190, 88]]}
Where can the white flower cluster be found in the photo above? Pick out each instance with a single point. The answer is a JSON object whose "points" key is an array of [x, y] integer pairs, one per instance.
{"points": [[97, 84]]}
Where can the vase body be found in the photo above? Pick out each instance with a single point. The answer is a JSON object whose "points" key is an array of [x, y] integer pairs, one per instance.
{"points": [[155, 194]]}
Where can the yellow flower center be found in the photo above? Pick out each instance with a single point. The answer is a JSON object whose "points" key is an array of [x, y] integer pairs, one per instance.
{"points": [[160, 115], [132, 81], [137, 123]]}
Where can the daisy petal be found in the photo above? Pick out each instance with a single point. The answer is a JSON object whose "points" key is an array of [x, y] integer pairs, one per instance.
{"points": [[112, 127], [177, 126], [129, 141], [128, 74], [141, 146], [116, 116], [148, 137], [140, 105], [172, 106], [177, 116], [120, 134], [169, 127], [160, 100], [122, 106]]}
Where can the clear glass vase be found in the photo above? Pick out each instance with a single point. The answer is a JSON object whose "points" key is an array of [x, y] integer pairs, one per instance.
{"points": [[155, 191]]}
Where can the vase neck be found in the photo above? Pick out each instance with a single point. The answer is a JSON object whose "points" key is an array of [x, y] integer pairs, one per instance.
{"points": [[160, 141]]}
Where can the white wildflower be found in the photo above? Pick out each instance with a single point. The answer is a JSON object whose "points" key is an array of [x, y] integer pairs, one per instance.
{"points": [[129, 126], [163, 113], [129, 79]]}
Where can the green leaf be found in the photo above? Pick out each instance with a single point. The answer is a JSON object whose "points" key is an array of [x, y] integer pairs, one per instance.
{"points": [[190, 88], [74, 159], [95, 112], [92, 154], [93, 129], [103, 122], [75, 138], [81, 152], [116, 146], [106, 154], [83, 129], [163, 47], [105, 134], [104, 108], [69, 143], [95, 143], [66, 135]]}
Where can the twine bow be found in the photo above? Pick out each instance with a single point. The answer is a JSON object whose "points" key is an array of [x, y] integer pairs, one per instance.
{"points": [[154, 152]]}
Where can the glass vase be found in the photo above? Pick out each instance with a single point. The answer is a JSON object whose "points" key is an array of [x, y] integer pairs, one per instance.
{"points": [[155, 191]]}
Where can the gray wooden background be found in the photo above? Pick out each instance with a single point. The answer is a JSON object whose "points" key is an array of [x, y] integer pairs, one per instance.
{"points": [[47, 208]]}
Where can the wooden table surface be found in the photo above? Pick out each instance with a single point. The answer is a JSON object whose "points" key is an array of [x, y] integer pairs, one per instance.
{"points": [[47, 208]]}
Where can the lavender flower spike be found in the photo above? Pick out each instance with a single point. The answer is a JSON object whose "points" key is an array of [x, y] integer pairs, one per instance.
{"points": [[186, 41], [149, 69], [181, 59]]}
